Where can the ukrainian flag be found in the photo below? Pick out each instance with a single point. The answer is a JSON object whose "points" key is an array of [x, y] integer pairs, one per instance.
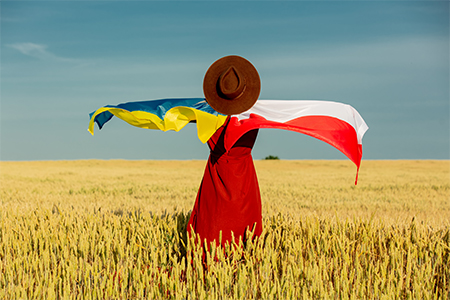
{"points": [[164, 114]]}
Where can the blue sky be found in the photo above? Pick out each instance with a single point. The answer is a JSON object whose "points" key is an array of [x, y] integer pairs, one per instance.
{"points": [[62, 60]]}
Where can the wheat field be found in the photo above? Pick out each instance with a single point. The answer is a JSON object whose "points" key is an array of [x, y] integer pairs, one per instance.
{"points": [[117, 230]]}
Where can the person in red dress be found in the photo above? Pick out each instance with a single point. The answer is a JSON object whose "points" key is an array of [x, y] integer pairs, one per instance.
{"points": [[228, 202]]}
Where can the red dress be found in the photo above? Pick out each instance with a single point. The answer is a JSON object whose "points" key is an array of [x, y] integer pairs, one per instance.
{"points": [[228, 199]]}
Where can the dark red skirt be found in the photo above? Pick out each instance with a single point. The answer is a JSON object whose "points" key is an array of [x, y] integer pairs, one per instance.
{"points": [[228, 199]]}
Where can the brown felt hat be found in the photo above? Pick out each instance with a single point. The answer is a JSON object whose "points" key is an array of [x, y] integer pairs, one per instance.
{"points": [[231, 85]]}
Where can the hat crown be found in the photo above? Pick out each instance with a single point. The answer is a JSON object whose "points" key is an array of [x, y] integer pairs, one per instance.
{"points": [[231, 84]]}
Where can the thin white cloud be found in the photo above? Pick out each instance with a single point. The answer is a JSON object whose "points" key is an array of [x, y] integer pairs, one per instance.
{"points": [[39, 51]]}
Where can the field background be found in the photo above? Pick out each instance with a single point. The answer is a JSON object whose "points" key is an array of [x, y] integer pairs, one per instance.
{"points": [[115, 229], [392, 191]]}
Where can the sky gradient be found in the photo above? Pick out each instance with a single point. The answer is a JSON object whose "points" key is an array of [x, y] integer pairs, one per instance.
{"points": [[62, 60]]}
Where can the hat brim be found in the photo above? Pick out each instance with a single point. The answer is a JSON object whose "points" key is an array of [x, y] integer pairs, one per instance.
{"points": [[246, 99]]}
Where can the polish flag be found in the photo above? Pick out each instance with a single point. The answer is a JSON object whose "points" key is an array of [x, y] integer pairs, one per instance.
{"points": [[337, 124]]}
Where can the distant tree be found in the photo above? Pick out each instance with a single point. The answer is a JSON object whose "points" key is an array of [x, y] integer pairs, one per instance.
{"points": [[271, 157]]}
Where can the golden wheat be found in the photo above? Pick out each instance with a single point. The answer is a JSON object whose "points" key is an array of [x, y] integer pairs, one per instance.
{"points": [[116, 230]]}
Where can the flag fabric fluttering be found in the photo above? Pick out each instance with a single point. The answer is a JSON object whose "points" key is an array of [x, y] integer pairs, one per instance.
{"points": [[337, 124], [164, 114]]}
